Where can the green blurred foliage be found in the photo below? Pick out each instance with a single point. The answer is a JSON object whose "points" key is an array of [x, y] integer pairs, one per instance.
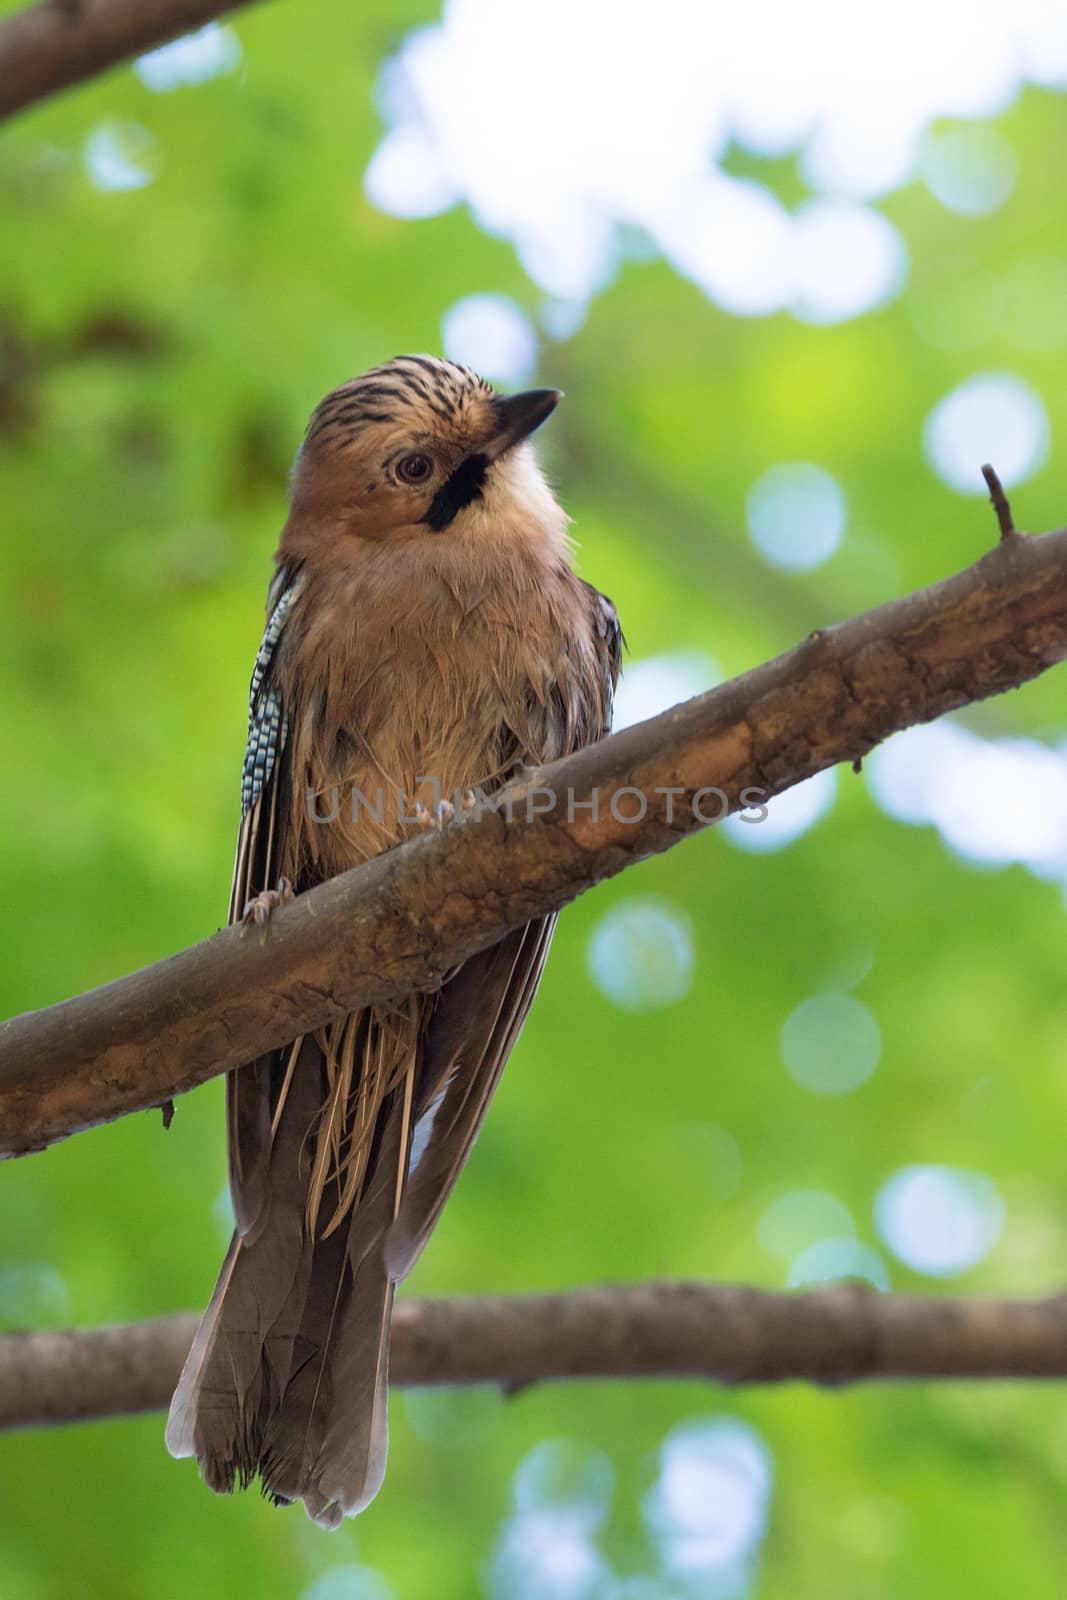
{"points": [[159, 352]]}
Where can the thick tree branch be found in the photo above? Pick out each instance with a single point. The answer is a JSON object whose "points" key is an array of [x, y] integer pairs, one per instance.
{"points": [[58, 43], [402, 921], [828, 1336]]}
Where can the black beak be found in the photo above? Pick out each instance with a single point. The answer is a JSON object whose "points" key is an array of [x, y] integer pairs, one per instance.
{"points": [[516, 416]]}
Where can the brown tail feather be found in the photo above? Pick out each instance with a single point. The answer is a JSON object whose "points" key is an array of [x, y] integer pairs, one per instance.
{"points": [[477, 1018], [287, 1377]]}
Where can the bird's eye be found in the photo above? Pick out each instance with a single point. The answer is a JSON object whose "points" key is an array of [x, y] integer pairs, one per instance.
{"points": [[414, 469]]}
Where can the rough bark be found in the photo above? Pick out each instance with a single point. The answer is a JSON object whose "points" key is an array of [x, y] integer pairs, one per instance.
{"points": [[832, 1336], [403, 920], [60, 42]]}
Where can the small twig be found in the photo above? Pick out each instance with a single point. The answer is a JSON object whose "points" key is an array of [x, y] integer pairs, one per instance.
{"points": [[1000, 502], [833, 1336]]}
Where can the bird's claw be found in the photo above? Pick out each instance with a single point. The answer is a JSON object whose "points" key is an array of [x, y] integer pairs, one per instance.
{"points": [[435, 820], [259, 909]]}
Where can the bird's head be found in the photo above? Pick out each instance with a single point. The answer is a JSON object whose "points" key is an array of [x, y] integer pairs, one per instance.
{"points": [[422, 448]]}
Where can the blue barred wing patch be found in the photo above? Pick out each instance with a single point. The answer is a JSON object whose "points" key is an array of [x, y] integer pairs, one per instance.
{"points": [[268, 724]]}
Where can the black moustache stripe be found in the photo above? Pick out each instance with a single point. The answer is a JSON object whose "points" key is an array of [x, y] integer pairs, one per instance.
{"points": [[464, 486]]}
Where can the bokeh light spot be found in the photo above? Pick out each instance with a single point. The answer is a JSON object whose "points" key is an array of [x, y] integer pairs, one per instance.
{"points": [[939, 1220], [638, 1588], [831, 1043], [866, 162], [833, 1260], [194, 58], [994, 801], [732, 238], [777, 823], [491, 334], [847, 259], [562, 1493], [800, 1218], [659, 682], [708, 1506], [349, 1583], [121, 156], [641, 954], [562, 318], [569, 1474], [572, 259], [32, 1295], [796, 516], [969, 169], [638, 127], [405, 177], [546, 1556], [995, 417]]}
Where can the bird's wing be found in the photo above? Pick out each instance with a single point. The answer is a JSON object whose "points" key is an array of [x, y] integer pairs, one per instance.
{"points": [[608, 643], [478, 1014], [260, 845]]}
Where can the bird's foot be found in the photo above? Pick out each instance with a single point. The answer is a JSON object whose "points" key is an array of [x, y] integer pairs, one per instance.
{"points": [[259, 909], [434, 820]]}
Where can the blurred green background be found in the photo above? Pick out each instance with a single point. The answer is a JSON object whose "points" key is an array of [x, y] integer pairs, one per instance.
{"points": [[832, 1044]]}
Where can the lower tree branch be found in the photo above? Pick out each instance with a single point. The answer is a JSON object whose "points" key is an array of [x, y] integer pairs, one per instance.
{"points": [[58, 43], [727, 1335], [403, 920]]}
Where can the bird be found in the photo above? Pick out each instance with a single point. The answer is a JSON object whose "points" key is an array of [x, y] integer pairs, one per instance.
{"points": [[426, 635]]}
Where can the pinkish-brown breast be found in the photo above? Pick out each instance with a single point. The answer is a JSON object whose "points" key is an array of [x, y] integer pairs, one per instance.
{"points": [[415, 673]]}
